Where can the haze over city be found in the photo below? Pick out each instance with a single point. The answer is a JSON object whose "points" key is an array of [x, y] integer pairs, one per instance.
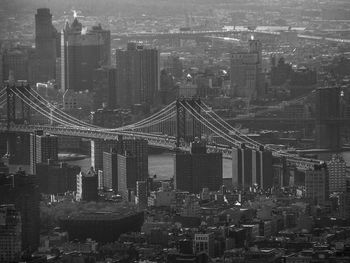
{"points": [[175, 131]]}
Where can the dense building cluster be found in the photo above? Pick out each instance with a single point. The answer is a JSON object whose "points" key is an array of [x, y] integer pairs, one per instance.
{"points": [[275, 73]]}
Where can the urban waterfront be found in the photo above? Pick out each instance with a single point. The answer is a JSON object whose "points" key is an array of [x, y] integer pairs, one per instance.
{"points": [[162, 164], [175, 131]]}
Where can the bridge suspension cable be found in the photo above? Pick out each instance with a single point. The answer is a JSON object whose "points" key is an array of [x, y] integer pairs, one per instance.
{"points": [[209, 125], [228, 127], [155, 116], [37, 108], [68, 117]]}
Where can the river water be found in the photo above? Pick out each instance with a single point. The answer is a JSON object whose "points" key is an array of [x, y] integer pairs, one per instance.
{"points": [[162, 164]]}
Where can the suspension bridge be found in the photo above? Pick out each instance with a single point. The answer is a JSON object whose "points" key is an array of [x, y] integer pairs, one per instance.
{"points": [[174, 126]]}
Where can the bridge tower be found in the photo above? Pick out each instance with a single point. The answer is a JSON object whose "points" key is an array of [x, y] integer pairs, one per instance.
{"points": [[13, 114], [187, 127], [329, 115]]}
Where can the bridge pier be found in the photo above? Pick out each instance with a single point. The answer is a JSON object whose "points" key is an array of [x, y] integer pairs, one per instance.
{"points": [[187, 129], [12, 116]]}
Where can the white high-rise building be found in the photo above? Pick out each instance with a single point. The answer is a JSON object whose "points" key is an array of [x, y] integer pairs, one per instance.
{"points": [[337, 174]]}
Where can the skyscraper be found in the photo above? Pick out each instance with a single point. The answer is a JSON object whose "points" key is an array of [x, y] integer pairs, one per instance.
{"points": [[82, 51], [87, 184], [139, 149], [242, 167], [42, 148], [198, 170], [252, 167], [110, 170], [22, 191], [99, 146], [246, 71], [317, 184], [137, 75], [127, 173], [45, 45], [10, 233], [337, 174], [54, 177]]}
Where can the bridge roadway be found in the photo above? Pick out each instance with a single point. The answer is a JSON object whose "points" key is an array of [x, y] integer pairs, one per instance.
{"points": [[156, 140]]}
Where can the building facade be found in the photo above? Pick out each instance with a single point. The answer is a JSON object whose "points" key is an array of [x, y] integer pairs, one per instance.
{"points": [[198, 170], [21, 190], [137, 76], [246, 70], [10, 234], [42, 148], [87, 186], [127, 174], [337, 174], [45, 45], [317, 185], [82, 52]]}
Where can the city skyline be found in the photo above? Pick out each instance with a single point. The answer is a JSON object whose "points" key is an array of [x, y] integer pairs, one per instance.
{"points": [[188, 131]]}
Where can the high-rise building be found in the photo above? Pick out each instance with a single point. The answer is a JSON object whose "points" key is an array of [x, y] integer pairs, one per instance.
{"points": [[15, 60], [82, 51], [262, 170], [87, 185], [10, 233], [22, 191], [18, 147], [251, 167], [42, 148], [139, 149], [198, 169], [317, 184], [45, 45], [137, 76], [110, 170], [337, 174], [204, 242], [141, 194], [99, 146], [246, 69], [55, 177], [242, 167], [104, 88], [127, 174]]}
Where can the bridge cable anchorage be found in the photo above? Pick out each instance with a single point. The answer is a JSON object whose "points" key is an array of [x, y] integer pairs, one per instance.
{"points": [[210, 126], [37, 108], [35, 94], [229, 128]]}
